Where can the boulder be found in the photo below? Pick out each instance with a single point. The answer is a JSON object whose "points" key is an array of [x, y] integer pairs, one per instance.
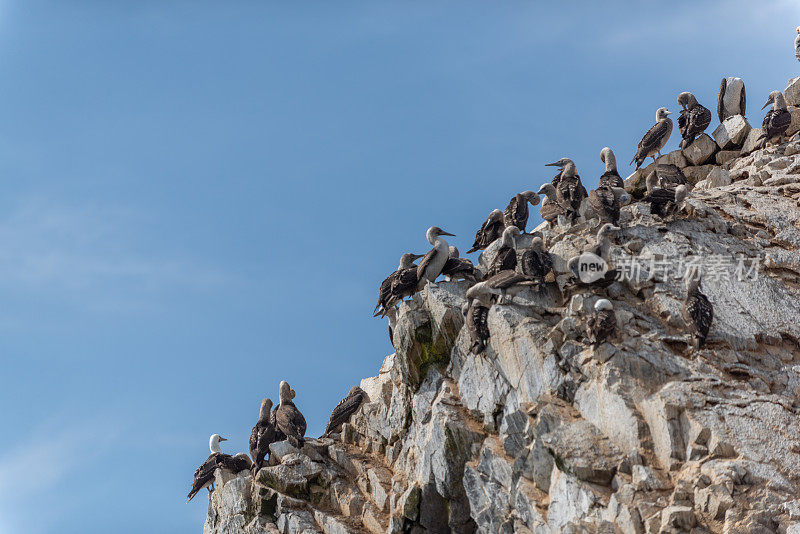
{"points": [[726, 156], [701, 150], [732, 132], [718, 177], [792, 92], [751, 141], [696, 173]]}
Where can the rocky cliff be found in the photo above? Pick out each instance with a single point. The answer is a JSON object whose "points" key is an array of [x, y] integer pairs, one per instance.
{"points": [[542, 433]]}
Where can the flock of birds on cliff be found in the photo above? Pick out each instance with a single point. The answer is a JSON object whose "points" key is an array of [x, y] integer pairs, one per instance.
{"points": [[566, 202]]}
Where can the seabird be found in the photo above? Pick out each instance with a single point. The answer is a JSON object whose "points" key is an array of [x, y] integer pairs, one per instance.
{"points": [[288, 419], [698, 313], [430, 266], [777, 120], [516, 213], [797, 45], [731, 99], [655, 138], [505, 284], [506, 257], [602, 323], [262, 434], [551, 209], [600, 246], [569, 189], [606, 201], [490, 230], [662, 201], [611, 176], [398, 285], [669, 175], [346, 407], [456, 268], [204, 475], [476, 317], [537, 263], [694, 118]]}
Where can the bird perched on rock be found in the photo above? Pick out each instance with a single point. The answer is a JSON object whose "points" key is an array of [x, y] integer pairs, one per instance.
{"points": [[611, 177], [490, 230], [698, 313], [505, 284], [263, 434], [288, 419], [600, 246], [655, 138], [506, 257], [662, 201], [694, 118], [731, 99], [516, 213], [777, 120], [476, 317], [204, 475], [537, 263], [602, 323], [797, 45], [430, 266], [552, 210], [606, 201], [456, 268], [398, 285], [346, 408], [569, 189], [669, 176]]}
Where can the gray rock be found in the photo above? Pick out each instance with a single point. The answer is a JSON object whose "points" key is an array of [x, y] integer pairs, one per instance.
{"points": [[732, 132], [701, 150], [792, 92]]}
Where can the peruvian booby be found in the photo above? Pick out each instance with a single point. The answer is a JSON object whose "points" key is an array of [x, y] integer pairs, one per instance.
{"points": [[669, 176], [288, 419], [506, 257], [537, 263], [731, 99], [204, 475], [430, 266], [552, 210], [797, 45], [698, 313], [476, 318], [569, 189], [602, 323], [346, 407], [516, 213], [777, 120], [457, 268], [398, 285], [662, 201], [655, 138], [694, 118], [611, 177], [505, 284], [262, 434], [606, 201], [490, 230]]}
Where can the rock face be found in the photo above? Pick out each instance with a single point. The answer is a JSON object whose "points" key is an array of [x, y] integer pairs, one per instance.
{"points": [[543, 433]]}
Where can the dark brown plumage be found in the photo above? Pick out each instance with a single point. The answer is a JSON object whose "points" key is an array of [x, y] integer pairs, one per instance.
{"points": [[655, 138], [537, 262], [477, 321], [457, 268], [288, 419], [263, 434], [605, 204], [669, 176], [344, 410], [612, 179], [777, 120], [398, 285], [602, 323], [694, 118], [490, 230], [516, 213], [698, 312], [204, 475]]}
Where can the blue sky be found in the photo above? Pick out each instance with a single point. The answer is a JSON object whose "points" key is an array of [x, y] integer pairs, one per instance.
{"points": [[198, 203]]}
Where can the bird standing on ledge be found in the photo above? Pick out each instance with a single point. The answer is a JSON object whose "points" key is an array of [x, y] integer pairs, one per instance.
{"points": [[490, 230], [655, 138], [516, 213], [431, 265], [698, 313], [611, 176], [694, 118], [777, 120]]}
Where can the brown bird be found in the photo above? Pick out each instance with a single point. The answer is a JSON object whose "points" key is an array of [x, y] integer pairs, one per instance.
{"points": [[262, 434], [476, 318], [490, 230], [344, 410], [204, 475], [537, 263], [606, 202], [456, 268], [516, 213], [611, 176], [698, 312], [602, 323], [288, 419], [398, 285], [777, 120], [694, 118], [655, 138], [569, 189], [506, 257]]}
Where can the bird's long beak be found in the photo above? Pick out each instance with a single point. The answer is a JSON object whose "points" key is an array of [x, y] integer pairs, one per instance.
{"points": [[223, 439], [769, 101], [448, 233], [417, 256], [554, 164]]}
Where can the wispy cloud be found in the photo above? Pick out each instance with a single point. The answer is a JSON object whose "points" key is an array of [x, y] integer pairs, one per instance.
{"points": [[89, 252]]}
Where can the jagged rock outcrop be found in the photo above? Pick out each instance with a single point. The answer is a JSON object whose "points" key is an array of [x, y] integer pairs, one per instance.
{"points": [[541, 433]]}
